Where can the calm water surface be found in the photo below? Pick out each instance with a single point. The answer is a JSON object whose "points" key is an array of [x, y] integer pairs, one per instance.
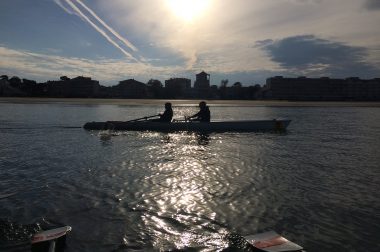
{"points": [[317, 184]]}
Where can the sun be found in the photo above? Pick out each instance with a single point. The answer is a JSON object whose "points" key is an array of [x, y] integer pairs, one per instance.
{"points": [[188, 10]]}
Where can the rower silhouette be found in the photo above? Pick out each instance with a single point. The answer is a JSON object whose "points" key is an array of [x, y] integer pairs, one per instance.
{"points": [[167, 115], [203, 115]]}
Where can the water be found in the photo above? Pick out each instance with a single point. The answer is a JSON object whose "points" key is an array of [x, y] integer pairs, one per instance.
{"points": [[317, 184]]}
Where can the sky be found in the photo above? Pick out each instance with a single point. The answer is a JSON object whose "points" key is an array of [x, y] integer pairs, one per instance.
{"points": [[239, 40]]}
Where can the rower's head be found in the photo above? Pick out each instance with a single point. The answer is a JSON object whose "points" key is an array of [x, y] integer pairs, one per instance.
{"points": [[202, 104], [168, 105]]}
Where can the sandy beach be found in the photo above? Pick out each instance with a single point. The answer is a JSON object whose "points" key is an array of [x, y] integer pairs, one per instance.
{"points": [[139, 102]]}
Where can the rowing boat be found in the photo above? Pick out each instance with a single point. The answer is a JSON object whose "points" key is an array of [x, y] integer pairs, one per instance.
{"points": [[214, 126]]}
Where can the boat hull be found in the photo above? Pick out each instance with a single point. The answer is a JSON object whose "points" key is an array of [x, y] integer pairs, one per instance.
{"points": [[215, 126]]}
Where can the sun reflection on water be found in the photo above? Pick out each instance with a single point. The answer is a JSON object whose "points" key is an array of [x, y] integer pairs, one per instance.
{"points": [[184, 185], [179, 191]]}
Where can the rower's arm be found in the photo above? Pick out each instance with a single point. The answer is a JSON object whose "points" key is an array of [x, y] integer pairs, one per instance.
{"points": [[195, 115]]}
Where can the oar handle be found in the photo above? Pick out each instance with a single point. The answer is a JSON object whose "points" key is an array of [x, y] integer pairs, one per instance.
{"points": [[142, 118]]}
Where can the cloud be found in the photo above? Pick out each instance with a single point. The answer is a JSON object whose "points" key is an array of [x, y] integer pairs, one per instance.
{"points": [[372, 4], [153, 22], [43, 67], [302, 50], [308, 54], [226, 30], [219, 40], [306, 1]]}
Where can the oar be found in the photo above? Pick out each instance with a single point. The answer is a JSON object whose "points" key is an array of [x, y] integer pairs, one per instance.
{"points": [[51, 236], [142, 118], [109, 125]]}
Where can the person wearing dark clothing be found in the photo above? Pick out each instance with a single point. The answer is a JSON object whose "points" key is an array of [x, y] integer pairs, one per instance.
{"points": [[167, 115], [203, 115]]}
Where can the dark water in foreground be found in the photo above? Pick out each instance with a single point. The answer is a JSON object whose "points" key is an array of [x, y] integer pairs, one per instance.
{"points": [[318, 184]]}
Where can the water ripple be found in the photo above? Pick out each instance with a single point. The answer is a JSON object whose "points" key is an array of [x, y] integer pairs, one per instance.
{"points": [[317, 184]]}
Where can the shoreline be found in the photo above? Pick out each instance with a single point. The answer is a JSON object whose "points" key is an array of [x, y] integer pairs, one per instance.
{"points": [[140, 102]]}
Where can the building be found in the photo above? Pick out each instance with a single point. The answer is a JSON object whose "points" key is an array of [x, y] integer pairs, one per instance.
{"points": [[322, 89], [130, 89], [4, 86], [178, 83], [202, 81], [76, 87], [202, 85], [177, 87], [83, 87]]}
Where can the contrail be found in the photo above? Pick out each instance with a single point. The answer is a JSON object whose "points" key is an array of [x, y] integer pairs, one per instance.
{"points": [[81, 14], [63, 7], [126, 42]]}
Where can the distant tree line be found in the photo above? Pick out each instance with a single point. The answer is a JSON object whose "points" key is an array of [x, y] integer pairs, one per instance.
{"points": [[276, 88], [85, 87]]}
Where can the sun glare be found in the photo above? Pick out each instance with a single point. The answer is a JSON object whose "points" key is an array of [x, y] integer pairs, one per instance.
{"points": [[188, 10]]}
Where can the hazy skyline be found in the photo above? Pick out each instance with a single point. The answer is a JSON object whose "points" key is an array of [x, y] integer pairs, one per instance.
{"points": [[239, 40]]}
